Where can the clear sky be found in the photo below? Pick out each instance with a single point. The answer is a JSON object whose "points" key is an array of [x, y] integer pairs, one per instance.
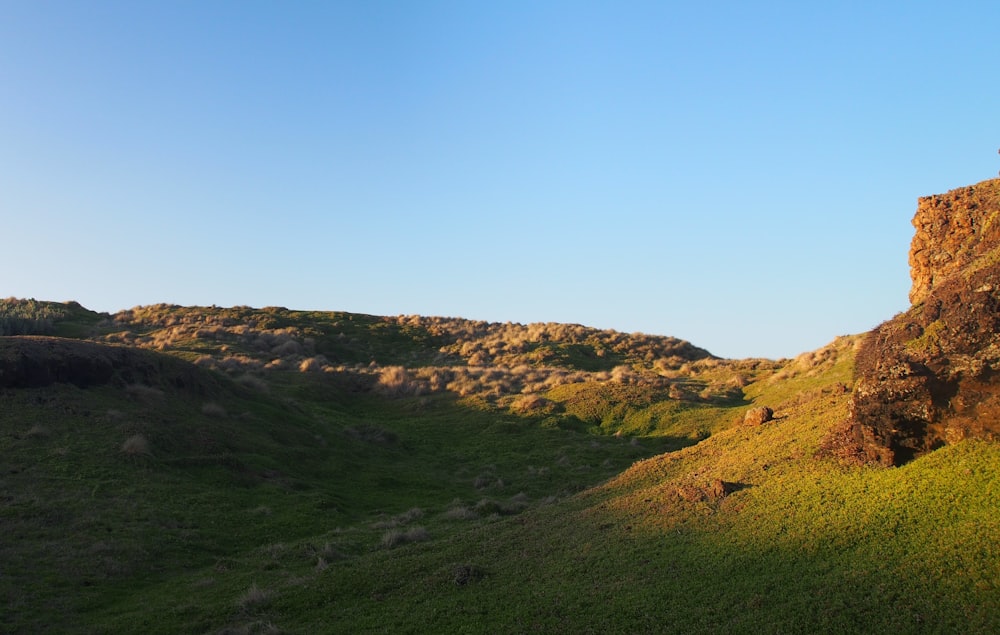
{"points": [[738, 174]]}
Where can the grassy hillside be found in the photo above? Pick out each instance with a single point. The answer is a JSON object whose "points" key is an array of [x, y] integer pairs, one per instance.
{"points": [[328, 472]]}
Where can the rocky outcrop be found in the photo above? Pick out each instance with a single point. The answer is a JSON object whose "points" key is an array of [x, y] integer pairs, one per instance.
{"points": [[953, 231], [929, 376]]}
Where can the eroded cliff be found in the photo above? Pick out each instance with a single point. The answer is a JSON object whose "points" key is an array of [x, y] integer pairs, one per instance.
{"points": [[929, 376]]}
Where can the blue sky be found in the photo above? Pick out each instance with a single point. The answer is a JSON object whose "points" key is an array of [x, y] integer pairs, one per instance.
{"points": [[738, 174]]}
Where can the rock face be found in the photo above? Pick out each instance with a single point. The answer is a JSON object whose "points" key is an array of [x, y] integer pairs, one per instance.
{"points": [[930, 376], [953, 230]]}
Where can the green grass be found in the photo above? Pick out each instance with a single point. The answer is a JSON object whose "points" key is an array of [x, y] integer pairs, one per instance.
{"points": [[305, 503], [90, 526]]}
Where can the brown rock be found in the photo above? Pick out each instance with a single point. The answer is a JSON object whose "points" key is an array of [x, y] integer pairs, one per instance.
{"points": [[758, 416], [719, 489], [931, 375], [953, 230]]}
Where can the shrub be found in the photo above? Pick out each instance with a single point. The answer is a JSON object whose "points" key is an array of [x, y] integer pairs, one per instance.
{"points": [[289, 347], [29, 317], [237, 364]]}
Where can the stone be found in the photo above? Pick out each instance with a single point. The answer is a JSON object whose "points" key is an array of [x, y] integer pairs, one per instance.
{"points": [[719, 489], [953, 230], [758, 416]]}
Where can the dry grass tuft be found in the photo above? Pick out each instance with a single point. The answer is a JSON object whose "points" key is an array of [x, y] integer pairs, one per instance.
{"points": [[254, 383], [525, 404], [400, 519], [37, 431], [459, 512], [395, 381], [254, 598], [313, 364], [491, 507], [371, 433], [213, 409], [143, 393], [397, 537], [136, 445], [488, 480]]}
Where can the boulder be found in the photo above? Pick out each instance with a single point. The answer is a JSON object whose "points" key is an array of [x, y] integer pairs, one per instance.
{"points": [[758, 416], [719, 489]]}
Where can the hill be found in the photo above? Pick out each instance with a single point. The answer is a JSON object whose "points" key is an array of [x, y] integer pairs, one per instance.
{"points": [[143, 446], [235, 470]]}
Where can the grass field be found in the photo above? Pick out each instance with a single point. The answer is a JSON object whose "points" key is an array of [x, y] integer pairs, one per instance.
{"points": [[575, 498]]}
